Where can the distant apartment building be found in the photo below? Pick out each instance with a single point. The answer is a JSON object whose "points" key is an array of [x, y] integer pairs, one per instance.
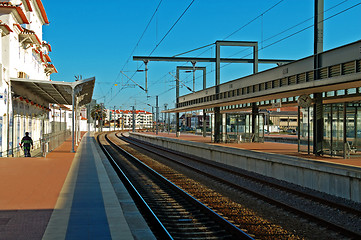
{"points": [[124, 118]]}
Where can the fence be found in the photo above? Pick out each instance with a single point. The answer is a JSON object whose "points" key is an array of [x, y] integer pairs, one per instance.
{"points": [[48, 143]]}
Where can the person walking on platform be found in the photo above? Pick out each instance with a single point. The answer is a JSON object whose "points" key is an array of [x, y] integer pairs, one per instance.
{"points": [[25, 144]]}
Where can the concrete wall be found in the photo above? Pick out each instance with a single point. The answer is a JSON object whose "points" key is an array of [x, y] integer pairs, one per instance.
{"points": [[337, 180]]}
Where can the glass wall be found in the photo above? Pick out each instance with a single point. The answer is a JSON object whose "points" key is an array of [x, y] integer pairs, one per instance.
{"points": [[305, 143], [239, 127], [342, 130]]}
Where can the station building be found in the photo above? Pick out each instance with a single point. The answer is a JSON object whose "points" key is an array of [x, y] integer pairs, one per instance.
{"points": [[327, 99], [24, 54], [26, 89]]}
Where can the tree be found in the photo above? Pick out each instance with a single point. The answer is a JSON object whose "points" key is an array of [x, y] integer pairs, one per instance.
{"points": [[96, 114]]}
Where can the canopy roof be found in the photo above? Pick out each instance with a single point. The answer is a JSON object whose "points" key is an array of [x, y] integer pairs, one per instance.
{"points": [[56, 92]]}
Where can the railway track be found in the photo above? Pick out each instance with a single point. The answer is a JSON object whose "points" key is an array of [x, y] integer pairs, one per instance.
{"points": [[171, 212], [329, 214]]}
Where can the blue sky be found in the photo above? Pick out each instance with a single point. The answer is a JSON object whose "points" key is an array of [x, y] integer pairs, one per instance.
{"points": [[96, 38]]}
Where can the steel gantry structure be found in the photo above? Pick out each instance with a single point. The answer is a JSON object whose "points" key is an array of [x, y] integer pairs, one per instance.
{"points": [[218, 60]]}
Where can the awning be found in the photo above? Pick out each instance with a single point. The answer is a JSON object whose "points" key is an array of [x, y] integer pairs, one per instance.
{"points": [[29, 37], [55, 92]]}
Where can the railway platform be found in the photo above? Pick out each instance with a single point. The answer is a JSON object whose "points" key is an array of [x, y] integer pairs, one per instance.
{"points": [[282, 162], [66, 196], [287, 149]]}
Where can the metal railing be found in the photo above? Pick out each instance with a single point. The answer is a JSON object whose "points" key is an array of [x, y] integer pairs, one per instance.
{"points": [[53, 140], [47, 144]]}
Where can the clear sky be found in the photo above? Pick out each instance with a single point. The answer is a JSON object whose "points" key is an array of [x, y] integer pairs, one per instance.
{"points": [[96, 38]]}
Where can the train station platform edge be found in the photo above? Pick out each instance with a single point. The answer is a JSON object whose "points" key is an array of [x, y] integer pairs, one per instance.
{"points": [[286, 149], [87, 207], [67, 195]]}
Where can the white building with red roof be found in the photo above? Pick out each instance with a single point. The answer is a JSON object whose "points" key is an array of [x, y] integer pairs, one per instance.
{"points": [[24, 55], [143, 119]]}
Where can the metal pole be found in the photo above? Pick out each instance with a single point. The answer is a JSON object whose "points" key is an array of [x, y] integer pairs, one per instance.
{"points": [[8, 118], [204, 110], [194, 75], [133, 118], [217, 112], [66, 127], [152, 119], [165, 119], [60, 118], [318, 106], [146, 76], [122, 121], [100, 119], [114, 118], [72, 120], [78, 118], [110, 118], [156, 115], [168, 123], [176, 105]]}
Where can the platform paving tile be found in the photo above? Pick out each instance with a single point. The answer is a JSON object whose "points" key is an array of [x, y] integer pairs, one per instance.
{"points": [[87, 207], [29, 190]]}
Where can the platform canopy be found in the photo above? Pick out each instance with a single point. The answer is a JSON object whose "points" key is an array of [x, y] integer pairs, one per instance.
{"points": [[54, 91]]}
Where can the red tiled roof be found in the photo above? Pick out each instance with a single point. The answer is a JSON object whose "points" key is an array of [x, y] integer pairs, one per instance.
{"points": [[130, 111], [47, 57], [51, 66], [35, 50], [31, 32], [18, 9], [29, 5], [47, 45], [4, 25], [19, 27], [42, 11]]}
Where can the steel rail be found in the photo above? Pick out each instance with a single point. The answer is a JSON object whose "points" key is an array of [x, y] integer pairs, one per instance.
{"points": [[253, 178], [140, 202], [312, 217], [231, 228]]}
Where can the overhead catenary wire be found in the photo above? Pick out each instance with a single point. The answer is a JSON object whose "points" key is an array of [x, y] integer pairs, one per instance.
{"points": [[243, 26], [254, 19], [308, 27], [140, 38], [157, 45], [293, 34], [300, 23], [336, 14], [171, 27], [286, 37], [194, 50], [211, 44]]}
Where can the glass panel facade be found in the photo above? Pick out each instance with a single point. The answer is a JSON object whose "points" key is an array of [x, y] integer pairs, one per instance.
{"points": [[342, 130], [239, 127], [306, 130], [327, 123], [336, 143]]}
